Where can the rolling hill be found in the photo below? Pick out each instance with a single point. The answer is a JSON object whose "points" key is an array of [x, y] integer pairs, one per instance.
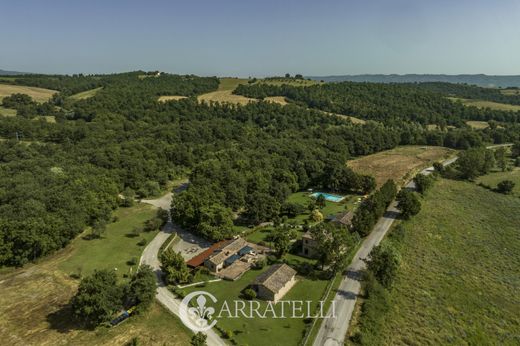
{"points": [[476, 79]]}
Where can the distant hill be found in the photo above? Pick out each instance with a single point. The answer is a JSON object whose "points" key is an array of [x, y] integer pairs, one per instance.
{"points": [[475, 79], [10, 73]]}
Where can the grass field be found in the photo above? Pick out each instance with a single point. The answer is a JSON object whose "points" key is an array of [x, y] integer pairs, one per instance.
{"points": [[486, 104], [115, 248], [437, 127], [7, 112], [33, 303], [48, 118], [224, 92], [494, 178], [510, 91], [479, 125], [303, 198], [38, 94], [85, 94], [266, 331], [353, 119], [400, 163], [460, 273]]}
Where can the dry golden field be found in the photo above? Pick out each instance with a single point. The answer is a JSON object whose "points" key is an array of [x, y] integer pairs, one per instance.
{"points": [[400, 163], [477, 124], [171, 98], [277, 99], [38, 94], [224, 93], [85, 94]]}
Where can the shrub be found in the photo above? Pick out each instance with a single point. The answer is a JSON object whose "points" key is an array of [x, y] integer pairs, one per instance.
{"points": [[316, 215], [423, 182], [272, 259], [153, 224], [249, 294], [261, 263], [228, 334], [142, 242], [439, 167], [506, 186], [199, 339]]}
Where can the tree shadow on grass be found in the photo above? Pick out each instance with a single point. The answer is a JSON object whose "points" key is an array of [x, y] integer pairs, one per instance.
{"points": [[63, 321], [91, 237]]}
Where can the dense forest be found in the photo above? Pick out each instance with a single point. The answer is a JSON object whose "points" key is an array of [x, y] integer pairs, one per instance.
{"points": [[241, 160], [381, 102], [470, 92]]}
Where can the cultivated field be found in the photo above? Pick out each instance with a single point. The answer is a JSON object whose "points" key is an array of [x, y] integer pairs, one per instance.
{"points": [[224, 92], [487, 104], [33, 303], [85, 94], [38, 94], [400, 163], [460, 273]]}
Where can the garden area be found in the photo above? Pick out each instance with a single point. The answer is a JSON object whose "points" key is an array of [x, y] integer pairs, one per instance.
{"points": [[262, 331], [329, 209]]}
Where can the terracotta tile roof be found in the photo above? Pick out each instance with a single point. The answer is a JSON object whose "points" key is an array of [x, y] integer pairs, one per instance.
{"points": [[200, 258]]}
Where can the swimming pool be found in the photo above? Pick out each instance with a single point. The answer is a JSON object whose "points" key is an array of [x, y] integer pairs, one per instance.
{"points": [[328, 196]]}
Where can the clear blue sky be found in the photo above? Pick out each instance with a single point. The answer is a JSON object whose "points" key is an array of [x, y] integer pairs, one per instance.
{"points": [[258, 38]]}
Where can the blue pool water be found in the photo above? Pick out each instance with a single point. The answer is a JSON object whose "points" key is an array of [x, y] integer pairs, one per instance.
{"points": [[328, 196]]}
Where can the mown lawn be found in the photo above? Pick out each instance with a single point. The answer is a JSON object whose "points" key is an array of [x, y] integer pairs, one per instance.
{"points": [[115, 248], [268, 331], [460, 275]]}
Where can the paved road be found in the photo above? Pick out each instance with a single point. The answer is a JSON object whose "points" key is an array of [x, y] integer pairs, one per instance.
{"points": [[150, 257], [333, 330]]}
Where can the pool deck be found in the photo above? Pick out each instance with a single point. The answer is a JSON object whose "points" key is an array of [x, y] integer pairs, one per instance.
{"points": [[329, 197]]}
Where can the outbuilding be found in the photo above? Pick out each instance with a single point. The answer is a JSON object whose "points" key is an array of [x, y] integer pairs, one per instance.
{"points": [[275, 282]]}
